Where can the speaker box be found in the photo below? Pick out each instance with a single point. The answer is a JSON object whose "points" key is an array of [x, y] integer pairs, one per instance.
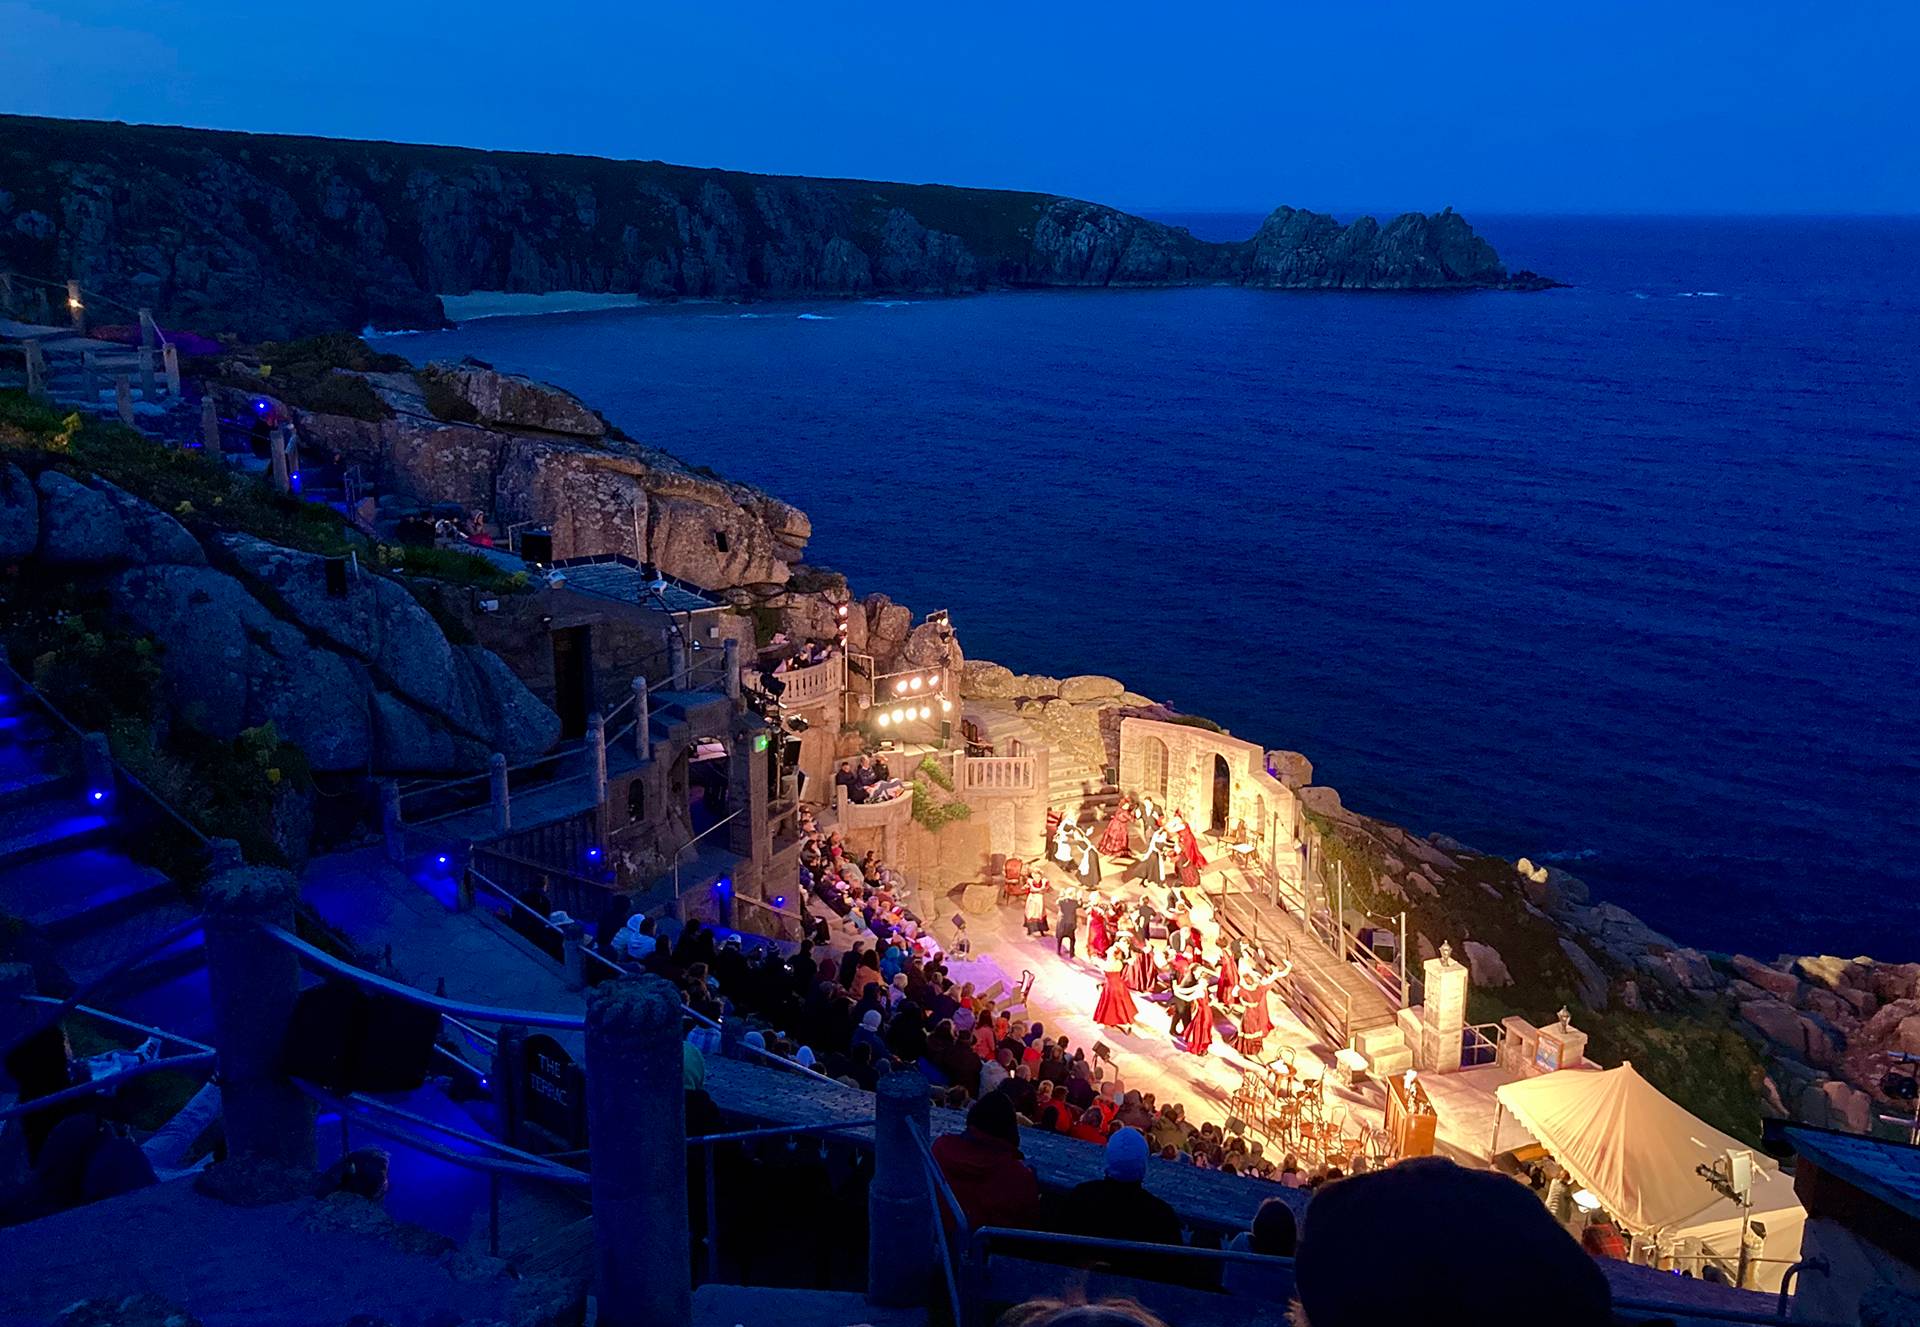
{"points": [[324, 1034], [396, 1049]]}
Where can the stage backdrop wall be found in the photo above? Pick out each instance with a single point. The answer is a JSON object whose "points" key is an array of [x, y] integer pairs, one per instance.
{"points": [[1178, 765]]}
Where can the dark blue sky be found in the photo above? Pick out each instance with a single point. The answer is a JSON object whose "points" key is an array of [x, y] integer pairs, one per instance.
{"points": [[1682, 106]]}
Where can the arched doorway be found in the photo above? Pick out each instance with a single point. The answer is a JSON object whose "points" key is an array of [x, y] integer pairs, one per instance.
{"points": [[1222, 795]]}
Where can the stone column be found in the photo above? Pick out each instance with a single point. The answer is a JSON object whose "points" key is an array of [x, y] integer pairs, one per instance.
{"points": [[1443, 1018], [280, 472], [573, 957], [148, 340], [642, 731], [36, 371], [254, 982], [209, 425], [497, 783], [392, 823], [730, 665], [900, 1203], [123, 399], [596, 750], [170, 365], [639, 1169], [747, 790], [676, 662]]}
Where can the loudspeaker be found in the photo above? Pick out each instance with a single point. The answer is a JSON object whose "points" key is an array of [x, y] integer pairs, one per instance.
{"points": [[324, 1035], [537, 546], [397, 1046]]}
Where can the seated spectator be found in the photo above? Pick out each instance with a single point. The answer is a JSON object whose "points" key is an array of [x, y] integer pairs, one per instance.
{"points": [[983, 1166], [1118, 1206], [1089, 1128], [1274, 1233], [1491, 1220]]}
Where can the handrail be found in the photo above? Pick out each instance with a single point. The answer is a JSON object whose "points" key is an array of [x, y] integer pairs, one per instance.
{"points": [[554, 1174], [942, 1196], [116, 1019], [779, 1131], [516, 903], [462, 1008], [41, 699], [112, 974], [87, 1089]]}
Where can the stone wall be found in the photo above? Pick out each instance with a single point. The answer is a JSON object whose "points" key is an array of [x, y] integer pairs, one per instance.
{"points": [[1175, 764]]}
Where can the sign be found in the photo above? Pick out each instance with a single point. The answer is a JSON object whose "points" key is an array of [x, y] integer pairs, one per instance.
{"points": [[554, 1098]]}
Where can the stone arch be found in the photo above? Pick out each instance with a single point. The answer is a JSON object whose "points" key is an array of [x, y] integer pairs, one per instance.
{"points": [[1154, 763]]}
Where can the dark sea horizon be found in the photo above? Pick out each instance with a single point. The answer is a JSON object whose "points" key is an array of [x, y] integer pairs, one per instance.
{"points": [[1623, 577]]}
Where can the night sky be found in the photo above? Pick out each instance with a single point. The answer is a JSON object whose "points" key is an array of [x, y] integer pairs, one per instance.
{"points": [[1758, 106]]}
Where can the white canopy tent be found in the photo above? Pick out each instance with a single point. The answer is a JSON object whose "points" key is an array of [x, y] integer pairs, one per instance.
{"points": [[1639, 1153]]}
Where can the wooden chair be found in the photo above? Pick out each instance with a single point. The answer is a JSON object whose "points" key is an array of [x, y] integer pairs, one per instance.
{"points": [[1014, 880]]}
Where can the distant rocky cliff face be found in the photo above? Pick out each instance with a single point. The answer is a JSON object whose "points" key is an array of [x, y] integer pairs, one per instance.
{"points": [[278, 236]]}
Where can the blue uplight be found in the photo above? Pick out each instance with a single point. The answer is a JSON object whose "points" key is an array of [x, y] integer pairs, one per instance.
{"points": [[779, 900], [593, 854], [97, 795], [441, 859], [261, 405]]}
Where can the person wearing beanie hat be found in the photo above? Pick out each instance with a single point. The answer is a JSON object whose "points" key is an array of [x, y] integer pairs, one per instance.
{"points": [[983, 1167], [1347, 1277], [1118, 1206]]}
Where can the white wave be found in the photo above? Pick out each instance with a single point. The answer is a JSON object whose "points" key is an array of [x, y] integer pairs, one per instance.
{"points": [[1699, 294], [814, 317], [889, 303], [1573, 855]]}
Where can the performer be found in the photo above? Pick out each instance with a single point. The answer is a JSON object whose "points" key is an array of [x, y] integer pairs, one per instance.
{"points": [[1197, 1033], [1188, 987], [1153, 864], [1141, 968], [1053, 826], [1087, 861], [1227, 990], [1257, 1021], [1118, 838], [1099, 923], [1189, 845], [1116, 1008], [1036, 914], [1149, 817], [1063, 831], [1064, 940]]}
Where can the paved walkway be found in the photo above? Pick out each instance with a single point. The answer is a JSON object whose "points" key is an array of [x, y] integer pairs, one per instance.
{"points": [[468, 956]]}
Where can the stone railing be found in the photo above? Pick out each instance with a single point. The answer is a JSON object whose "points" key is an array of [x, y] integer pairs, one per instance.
{"points": [[814, 686], [997, 774]]}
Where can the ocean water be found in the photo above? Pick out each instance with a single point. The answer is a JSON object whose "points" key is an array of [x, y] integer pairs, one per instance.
{"points": [[1624, 576]]}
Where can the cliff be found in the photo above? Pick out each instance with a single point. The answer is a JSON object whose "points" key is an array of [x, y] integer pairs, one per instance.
{"points": [[271, 236]]}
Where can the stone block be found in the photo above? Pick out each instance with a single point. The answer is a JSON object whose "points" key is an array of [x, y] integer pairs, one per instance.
{"points": [[1782, 985]]}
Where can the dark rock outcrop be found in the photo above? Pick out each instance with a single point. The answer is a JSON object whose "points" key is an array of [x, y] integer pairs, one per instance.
{"points": [[275, 236]]}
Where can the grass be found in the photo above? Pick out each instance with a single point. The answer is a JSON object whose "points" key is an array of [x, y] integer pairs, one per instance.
{"points": [[303, 373]]}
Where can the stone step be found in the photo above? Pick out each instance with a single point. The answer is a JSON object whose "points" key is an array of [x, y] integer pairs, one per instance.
{"points": [[716, 1305], [1390, 1063], [87, 957], [66, 894], [37, 829], [1375, 1040]]}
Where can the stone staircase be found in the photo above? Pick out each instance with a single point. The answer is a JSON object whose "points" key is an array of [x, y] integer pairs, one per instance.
{"points": [[61, 873], [1075, 784]]}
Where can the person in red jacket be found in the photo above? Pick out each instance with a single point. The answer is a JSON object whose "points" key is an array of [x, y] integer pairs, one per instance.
{"points": [[983, 1167]]}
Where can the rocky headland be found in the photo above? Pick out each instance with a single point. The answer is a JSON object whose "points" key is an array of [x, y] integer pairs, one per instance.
{"points": [[275, 236]]}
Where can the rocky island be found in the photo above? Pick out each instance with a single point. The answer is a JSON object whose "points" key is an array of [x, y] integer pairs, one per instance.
{"points": [[274, 236]]}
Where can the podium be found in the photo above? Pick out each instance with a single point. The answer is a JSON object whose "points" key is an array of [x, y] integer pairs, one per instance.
{"points": [[1411, 1120]]}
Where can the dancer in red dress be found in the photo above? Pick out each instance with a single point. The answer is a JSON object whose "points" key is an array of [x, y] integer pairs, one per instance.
{"points": [[1116, 1008], [1141, 970], [1190, 854], [1199, 1032], [1118, 838], [1227, 989], [1099, 927], [1257, 1022]]}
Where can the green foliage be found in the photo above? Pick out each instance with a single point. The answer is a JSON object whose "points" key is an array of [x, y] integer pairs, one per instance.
{"points": [[444, 402], [27, 423], [934, 770], [1196, 721], [449, 565], [303, 373], [326, 352], [1699, 1060], [934, 815], [766, 624]]}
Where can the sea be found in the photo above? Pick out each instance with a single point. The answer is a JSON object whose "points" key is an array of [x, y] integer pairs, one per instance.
{"points": [[1623, 577]]}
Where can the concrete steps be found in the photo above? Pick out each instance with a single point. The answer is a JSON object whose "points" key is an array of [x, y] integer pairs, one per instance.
{"points": [[30, 830], [68, 893]]}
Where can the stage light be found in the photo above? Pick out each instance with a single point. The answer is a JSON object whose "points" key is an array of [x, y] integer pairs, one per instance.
{"points": [[934, 681], [843, 610], [946, 706], [926, 712], [900, 687], [916, 684], [260, 407], [779, 900], [883, 720], [441, 860], [593, 854]]}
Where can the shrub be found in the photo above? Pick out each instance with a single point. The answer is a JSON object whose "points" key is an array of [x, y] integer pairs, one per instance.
{"points": [[934, 770], [1196, 721], [934, 815]]}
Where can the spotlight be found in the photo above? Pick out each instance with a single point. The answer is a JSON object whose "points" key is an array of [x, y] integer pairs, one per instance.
{"points": [[883, 720], [593, 854], [441, 860], [843, 610], [946, 706], [916, 684], [260, 407], [934, 681], [900, 687], [926, 712], [97, 795]]}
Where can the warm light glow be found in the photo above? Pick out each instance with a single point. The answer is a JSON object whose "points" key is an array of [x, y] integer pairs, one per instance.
{"points": [[900, 687], [946, 706], [843, 610], [916, 684], [73, 302], [882, 720], [1585, 1201], [934, 681], [901, 716], [925, 712]]}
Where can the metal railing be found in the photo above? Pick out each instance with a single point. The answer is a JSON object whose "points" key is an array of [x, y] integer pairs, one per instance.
{"points": [[948, 1216], [706, 1143], [1480, 1044], [198, 1056]]}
